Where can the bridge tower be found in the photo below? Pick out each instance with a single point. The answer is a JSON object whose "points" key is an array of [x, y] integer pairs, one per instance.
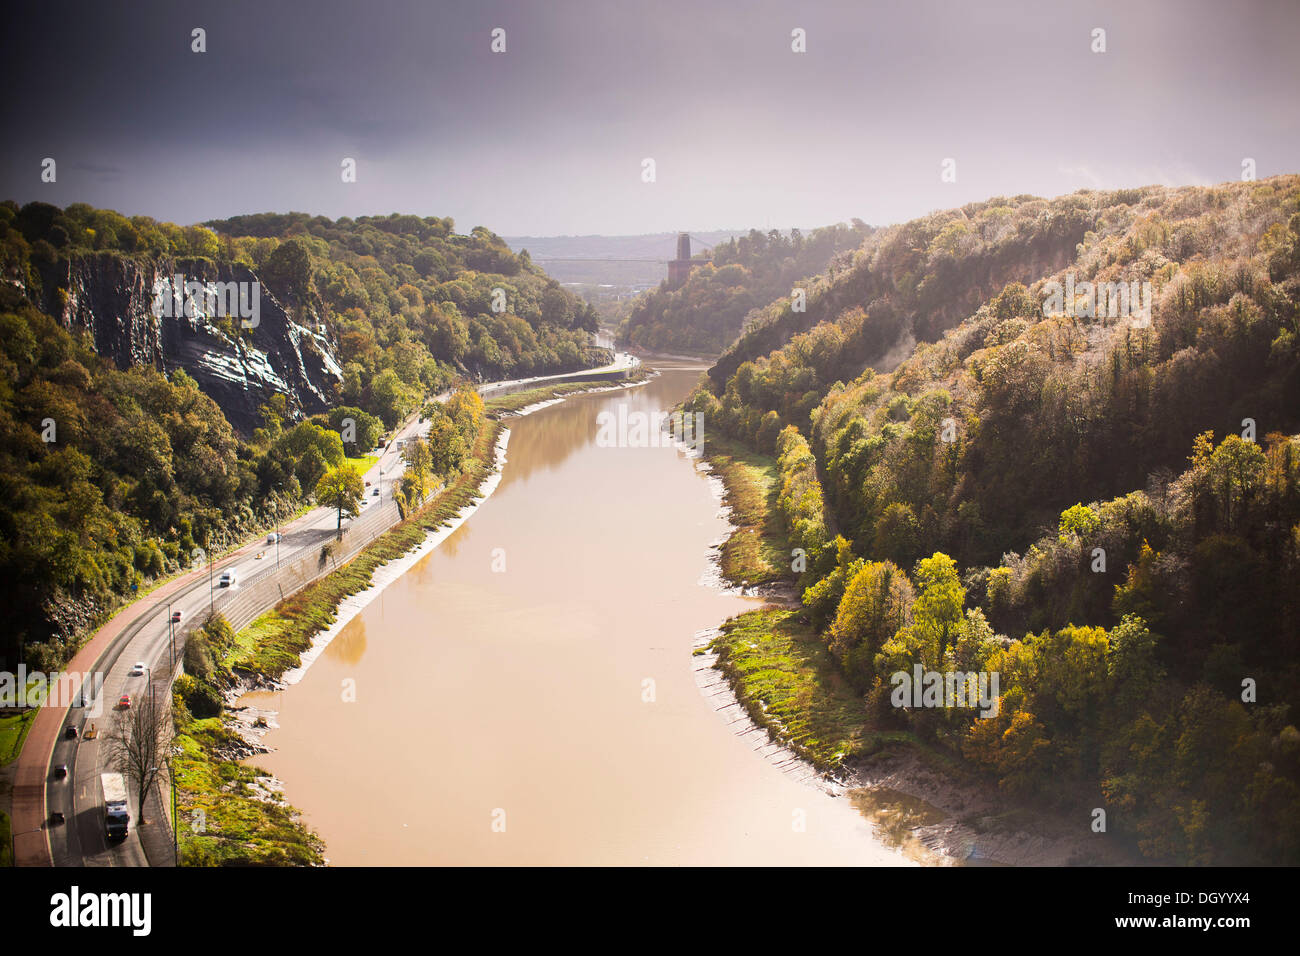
{"points": [[680, 268]]}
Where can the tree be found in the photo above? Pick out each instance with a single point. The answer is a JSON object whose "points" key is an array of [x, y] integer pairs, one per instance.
{"points": [[877, 604], [556, 307], [418, 463], [466, 409], [937, 610], [897, 533], [446, 447], [288, 269], [369, 429], [138, 744], [1078, 520], [1132, 666], [823, 598], [389, 397], [313, 448], [1236, 473], [341, 488]]}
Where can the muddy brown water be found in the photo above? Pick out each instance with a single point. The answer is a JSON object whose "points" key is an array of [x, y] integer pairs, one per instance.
{"points": [[490, 706]]}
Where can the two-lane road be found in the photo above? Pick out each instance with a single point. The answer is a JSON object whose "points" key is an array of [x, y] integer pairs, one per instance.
{"points": [[141, 633], [147, 639]]}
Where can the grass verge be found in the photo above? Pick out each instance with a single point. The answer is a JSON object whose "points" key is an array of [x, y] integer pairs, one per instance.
{"points": [[505, 404], [362, 463], [274, 641], [227, 816], [13, 732], [778, 667], [788, 682], [755, 552]]}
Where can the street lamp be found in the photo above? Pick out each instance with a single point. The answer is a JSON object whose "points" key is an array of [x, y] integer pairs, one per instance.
{"points": [[176, 840], [171, 634], [13, 843], [171, 779], [275, 503]]}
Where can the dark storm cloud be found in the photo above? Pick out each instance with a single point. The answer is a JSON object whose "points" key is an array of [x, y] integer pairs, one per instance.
{"points": [[549, 137]]}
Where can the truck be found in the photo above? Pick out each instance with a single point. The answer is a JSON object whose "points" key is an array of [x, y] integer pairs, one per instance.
{"points": [[117, 813]]}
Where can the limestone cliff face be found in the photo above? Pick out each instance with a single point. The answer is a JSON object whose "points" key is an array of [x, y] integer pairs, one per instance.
{"points": [[114, 299]]}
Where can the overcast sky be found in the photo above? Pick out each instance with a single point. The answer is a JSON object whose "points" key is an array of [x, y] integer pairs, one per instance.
{"points": [[548, 138]]}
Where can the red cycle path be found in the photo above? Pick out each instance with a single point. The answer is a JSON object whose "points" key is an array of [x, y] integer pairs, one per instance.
{"points": [[33, 763], [29, 814]]}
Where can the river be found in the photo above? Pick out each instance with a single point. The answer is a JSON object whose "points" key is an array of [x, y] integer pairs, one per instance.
{"points": [[493, 705]]}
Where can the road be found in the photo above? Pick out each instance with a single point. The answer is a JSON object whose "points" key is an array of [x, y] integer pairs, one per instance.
{"points": [[140, 632], [81, 842]]}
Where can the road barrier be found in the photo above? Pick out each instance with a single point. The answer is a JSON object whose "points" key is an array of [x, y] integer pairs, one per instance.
{"points": [[269, 586]]}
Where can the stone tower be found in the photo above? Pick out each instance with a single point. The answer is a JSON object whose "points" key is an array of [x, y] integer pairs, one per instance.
{"points": [[680, 268]]}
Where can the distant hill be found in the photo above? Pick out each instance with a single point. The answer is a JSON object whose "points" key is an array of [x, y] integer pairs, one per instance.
{"points": [[133, 429], [706, 313], [991, 471], [647, 256]]}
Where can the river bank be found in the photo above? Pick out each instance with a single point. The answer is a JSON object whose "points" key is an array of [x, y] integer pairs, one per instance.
{"points": [[543, 644], [238, 812], [769, 671]]}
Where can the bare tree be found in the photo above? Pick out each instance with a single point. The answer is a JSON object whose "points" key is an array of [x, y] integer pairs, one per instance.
{"points": [[139, 742]]}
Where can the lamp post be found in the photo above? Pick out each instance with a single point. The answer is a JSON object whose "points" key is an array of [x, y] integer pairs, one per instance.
{"points": [[176, 846], [13, 843], [211, 597], [170, 780], [171, 634]]}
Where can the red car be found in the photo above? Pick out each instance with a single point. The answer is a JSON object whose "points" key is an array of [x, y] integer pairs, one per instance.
{"points": [[124, 701], [176, 617]]}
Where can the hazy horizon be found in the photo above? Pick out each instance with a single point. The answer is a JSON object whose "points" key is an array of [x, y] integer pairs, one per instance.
{"points": [[548, 138]]}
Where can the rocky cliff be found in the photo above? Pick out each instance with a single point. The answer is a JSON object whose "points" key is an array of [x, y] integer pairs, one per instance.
{"points": [[239, 362]]}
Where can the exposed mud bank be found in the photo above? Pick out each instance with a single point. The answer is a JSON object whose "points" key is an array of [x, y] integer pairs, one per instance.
{"points": [[963, 821], [936, 816]]}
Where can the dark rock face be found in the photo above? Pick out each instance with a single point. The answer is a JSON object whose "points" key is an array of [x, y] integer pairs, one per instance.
{"points": [[115, 300]]}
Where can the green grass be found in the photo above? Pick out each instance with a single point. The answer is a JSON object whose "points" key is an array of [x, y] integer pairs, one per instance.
{"points": [[6, 851], [362, 462], [781, 670], [274, 641], [504, 404], [789, 683], [13, 733], [241, 828], [121, 602], [223, 820], [756, 551]]}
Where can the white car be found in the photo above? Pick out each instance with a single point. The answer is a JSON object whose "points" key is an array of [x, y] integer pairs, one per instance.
{"points": [[273, 537], [137, 669], [227, 579]]}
